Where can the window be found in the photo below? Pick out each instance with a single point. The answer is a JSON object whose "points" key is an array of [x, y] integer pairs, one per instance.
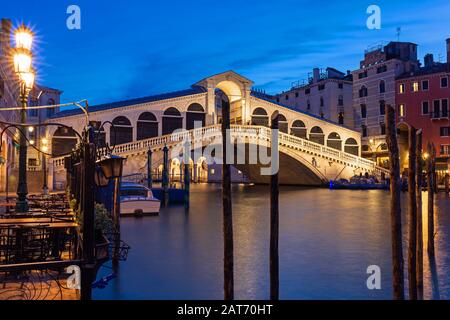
{"points": [[307, 91], [340, 101], [382, 86], [445, 131], [362, 75], [296, 94], [287, 97], [382, 107], [364, 130], [425, 85], [321, 87], [308, 105], [363, 111], [382, 69], [445, 149], [341, 118], [425, 107], [444, 82], [401, 88], [363, 92], [278, 99], [401, 110], [32, 162], [321, 101], [415, 86], [340, 85], [444, 108], [436, 109], [382, 129]]}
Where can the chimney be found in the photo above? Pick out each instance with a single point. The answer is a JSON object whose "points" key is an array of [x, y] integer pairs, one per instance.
{"points": [[429, 60], [448, 50], [316, 75]]}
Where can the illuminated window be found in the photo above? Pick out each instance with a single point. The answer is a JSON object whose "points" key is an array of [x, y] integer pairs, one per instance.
{"points": [[401, 110], [213, 171], [415, 86], [401, 89]]}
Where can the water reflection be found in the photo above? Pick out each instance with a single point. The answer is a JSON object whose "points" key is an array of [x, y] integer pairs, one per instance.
{"points": [[327, 241]]}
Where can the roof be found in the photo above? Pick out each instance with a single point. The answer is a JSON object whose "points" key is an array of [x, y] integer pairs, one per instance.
{"points": [[131, 102], [435, 68]]}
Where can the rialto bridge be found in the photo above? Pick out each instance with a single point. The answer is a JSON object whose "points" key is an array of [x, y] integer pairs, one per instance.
{"points": [[312, 150]]}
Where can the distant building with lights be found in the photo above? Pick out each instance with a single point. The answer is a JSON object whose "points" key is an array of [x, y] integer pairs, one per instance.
{"points": [[422, 98], [374, 87], [326, 93]]}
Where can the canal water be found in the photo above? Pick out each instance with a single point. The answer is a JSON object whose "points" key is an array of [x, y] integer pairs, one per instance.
{"points": [[328, 238]]}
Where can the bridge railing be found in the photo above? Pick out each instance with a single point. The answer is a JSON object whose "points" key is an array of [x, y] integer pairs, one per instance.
{"points": [[245, 131]]}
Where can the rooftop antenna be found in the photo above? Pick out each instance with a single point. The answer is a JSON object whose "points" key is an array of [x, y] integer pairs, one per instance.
{"points": [[399, 30]]}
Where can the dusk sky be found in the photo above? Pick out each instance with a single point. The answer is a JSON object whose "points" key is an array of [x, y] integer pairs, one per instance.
{"points": [[128, 49]]}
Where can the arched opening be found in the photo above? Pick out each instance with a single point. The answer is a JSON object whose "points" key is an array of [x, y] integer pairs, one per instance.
{"points": [[202, 170], [351, 146], [195, 113], [283, 124], [147, 126], [260, 117], [175, 170], [64, 140], [298, 129], [172, 120], [122, 131], [334, 141], [233, 93], [316, 135]]}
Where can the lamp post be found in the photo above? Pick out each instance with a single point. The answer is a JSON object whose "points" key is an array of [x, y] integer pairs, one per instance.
{"points": [[44, 143], [23, 69]]}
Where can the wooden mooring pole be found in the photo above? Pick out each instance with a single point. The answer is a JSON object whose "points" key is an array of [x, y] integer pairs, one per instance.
{"points": [[228, 260], [149, 169], [430, 187], [274, 215], [165, 176], [187, 174], [395, 206], [419, 218], [412, 215]]}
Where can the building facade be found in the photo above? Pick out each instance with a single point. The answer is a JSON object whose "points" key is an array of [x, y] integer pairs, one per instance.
{"points": [[373, 88], [9, 97], [422, 98], [327, 94]]}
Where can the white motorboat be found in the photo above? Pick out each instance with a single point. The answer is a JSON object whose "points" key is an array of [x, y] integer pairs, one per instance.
{"points": [[136, 199]]}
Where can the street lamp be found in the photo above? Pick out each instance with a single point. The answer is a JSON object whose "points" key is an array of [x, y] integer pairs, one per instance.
{"points": [[26, 76]]}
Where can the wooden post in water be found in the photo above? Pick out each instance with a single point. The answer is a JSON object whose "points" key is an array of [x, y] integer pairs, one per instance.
{"points": [[228, 261], [446, 183], [149, 168], [412, 216], [165, 176], [430, 185], [187, 175], [274, 215], [395, 207], [419, 235]]}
